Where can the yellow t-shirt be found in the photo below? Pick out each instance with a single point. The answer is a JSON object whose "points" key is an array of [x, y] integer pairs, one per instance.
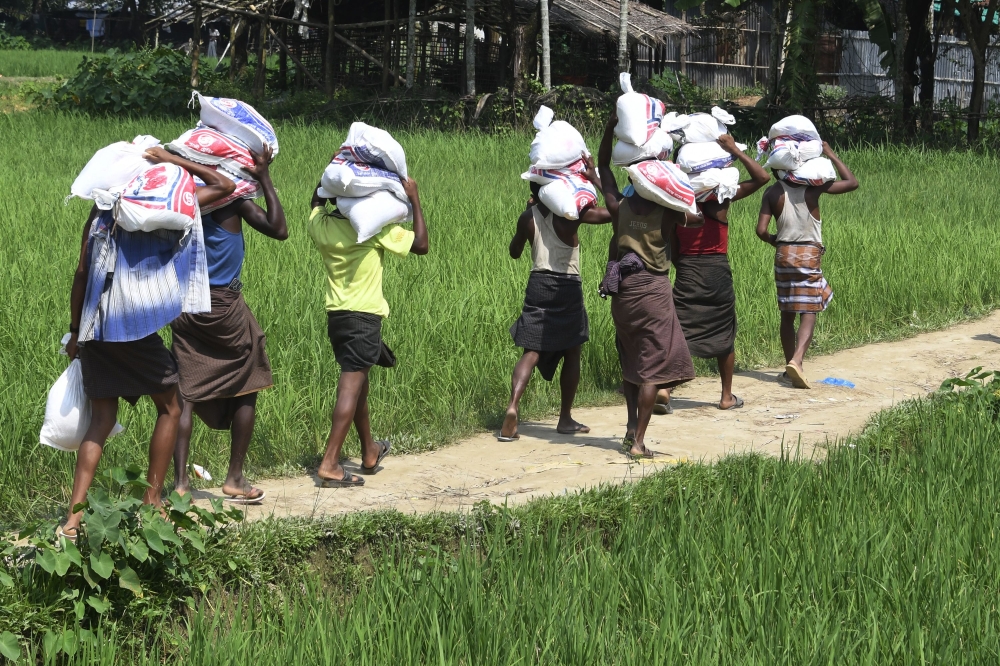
{"points": [[354, 270]]}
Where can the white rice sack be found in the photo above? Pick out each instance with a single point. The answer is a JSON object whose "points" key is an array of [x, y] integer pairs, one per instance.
{"points": [[369, 214], [113, 166], [370, 145], [68, 411], [789, 154], [542, 176], [698, 157], [639, 115], [664, 183], [246, 188], [716, 184], [568, 196], [659, 147], [799, 128], [343, 178], [237, 119], [705, 127], [161, 197], [814, 172], [211, 147], [556, 144]]}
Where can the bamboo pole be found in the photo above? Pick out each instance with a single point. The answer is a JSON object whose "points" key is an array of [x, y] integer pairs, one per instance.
{"points": [[196, 48], [470, 47], [330, 44], [546, 52], [411, 43], [623, 36], [260, 77], [298, 63]]}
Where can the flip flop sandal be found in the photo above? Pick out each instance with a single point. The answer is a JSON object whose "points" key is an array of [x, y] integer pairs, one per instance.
{"points": [[797, 377], [663, 409], [505, 438], [385, 447], [246, 498], [648, 455], [72, 535], [736, 405], [349, 481]]}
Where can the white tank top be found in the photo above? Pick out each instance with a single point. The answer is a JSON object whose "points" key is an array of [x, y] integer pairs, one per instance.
{"points": [[548, 252], [795, 223]]}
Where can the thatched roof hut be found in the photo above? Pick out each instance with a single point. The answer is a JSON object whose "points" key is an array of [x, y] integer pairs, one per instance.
{"points": [[596, 17]]}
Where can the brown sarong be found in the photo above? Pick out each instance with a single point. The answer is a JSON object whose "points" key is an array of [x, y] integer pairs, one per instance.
{"points": [[220, 354], [127, 370], [651, 345], [798, 275], [706, 304]]}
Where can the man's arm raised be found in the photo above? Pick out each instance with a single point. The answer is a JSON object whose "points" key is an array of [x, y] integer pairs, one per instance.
{"points": [[216, 187], [421, 243], [272, 222], [609, 187], [847, 183], [758, 176]]}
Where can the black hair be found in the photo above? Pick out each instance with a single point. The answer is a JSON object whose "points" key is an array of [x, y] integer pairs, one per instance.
{"points": [[535, 189]]}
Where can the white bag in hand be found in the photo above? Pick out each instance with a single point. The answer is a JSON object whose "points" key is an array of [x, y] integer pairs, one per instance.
{"points": [[238, 119], [371, 145], [663, 183], [790, 154], [814, 172], [369, 214], [799, 128], [716, 184], [113, 166], [706, 127], [568, 196], [556, 144], [639, 115], [658, 147], [67, 412]]}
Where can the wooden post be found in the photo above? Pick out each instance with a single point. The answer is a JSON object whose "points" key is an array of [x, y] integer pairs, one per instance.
{"points": [[411, 43], [283, 59], [546, 51], [196, 49], [331, 43], [385, 47], [623, 36], [470, 47], [260, 77], [233, 34], [681, 55]]}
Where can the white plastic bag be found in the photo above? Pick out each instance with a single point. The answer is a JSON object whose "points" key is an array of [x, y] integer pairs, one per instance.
{"points": [[557, 144], [814, 172], [369, 214], [237, 119], [789, 154], [568, 196], [716, 184], [542, 176], [663, 183], [161, 197], [246, 188], [343, 178], [639, 115], [659, 147], [113, 166], [211, 147], [705, 127], [371, 145], [67, 412], [799, 128], [698, 157]]}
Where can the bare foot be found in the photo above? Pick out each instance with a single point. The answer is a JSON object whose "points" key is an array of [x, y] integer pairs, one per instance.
{"points": [[331, 472], [571, 427], [182, 486], [640, 451], [508, 430], [732, 402], [663, 396]]}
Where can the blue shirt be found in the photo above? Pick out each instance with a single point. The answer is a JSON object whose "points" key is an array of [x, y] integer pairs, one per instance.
{"points": [[224, 252]]}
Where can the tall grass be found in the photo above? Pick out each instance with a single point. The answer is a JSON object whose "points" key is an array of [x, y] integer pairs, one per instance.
{"points": [[907, 251], [45, 62], [885, 552]]}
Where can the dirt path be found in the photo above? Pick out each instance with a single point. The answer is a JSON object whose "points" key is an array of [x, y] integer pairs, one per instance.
{"points": [[543, 462]]}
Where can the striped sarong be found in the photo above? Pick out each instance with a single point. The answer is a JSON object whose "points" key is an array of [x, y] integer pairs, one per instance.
{"points": [[798, 274]]}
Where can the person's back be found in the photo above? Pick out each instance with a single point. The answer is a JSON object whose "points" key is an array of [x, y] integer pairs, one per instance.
{"points": [[795, 223], [549, 252]]}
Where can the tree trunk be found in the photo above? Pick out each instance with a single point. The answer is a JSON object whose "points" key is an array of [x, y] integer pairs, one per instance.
{"points": [[977, 26], [240, 36], [283, 58], [260, 77], [411, 43], [543, 9], [623, 35], [196, 50], [777, 47], [331, 45], [470, 47], [976, 100], [922, 46], [385, 48], [526, 53]]}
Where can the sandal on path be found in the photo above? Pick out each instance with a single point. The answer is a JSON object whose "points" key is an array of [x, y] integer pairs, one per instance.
{"points": [[662, 409], [797, 376], [349, 481], [579, 429], [508, 438], [736, 405], [251, 496], [384, 448], [68, 533]]}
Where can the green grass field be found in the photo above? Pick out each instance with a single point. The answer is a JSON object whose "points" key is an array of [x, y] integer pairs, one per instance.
{"points": [[905, 253], [46, 62]]}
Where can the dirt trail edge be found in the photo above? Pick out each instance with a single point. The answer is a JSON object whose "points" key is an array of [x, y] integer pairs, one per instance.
{"points": [[543, 462]]}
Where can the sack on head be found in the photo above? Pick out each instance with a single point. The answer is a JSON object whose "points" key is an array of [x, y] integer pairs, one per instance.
{"points": [[639, 115], [161, 197], [113, 166], [814, 172], [789, 154], [237, 119], [343, 178], [568, 196], [716, 184], [706, 127], [369, 214], [557, 144], [698, 157], [68, 411], [374, 146], [659, 147], [211, 147], [543, 176], [663, 183], [799, 128], [246, 188]]}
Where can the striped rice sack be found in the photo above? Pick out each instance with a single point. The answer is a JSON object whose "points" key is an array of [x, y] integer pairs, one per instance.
{"points": [[246, 188], [568, 196], [346, 178], [237, 119], [205, 145], [639, 115], [161, 197], [663, 183], [544, 176]]}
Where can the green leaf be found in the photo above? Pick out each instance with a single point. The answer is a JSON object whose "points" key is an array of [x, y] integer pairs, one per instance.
{"points": [[179, 502], [69, 642], [79, 610], [62, 563], [72, 552], [46, 559], [130, 581], [6, 580], [195, 539], [153, 539], [9, 646], [98, 604], [102, 564], [86, 575], [166, 532], [51, 643], [138, 550]]}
